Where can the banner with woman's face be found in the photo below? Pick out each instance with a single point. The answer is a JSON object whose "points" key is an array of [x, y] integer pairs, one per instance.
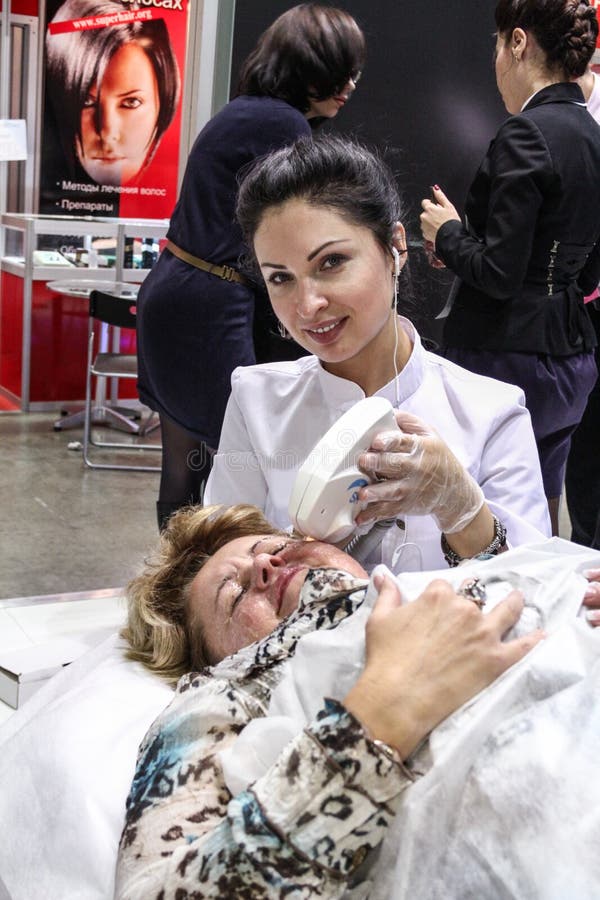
{"points": [[112, 113], [596, 57]]}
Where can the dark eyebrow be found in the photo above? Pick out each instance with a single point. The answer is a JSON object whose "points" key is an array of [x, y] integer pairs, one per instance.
{"points": [[225, 580], [310, 256], [314, 253]]}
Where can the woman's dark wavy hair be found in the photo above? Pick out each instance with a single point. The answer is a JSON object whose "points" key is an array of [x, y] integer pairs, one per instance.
{"points": [[309, 52], [330, 171], [566, 30]]}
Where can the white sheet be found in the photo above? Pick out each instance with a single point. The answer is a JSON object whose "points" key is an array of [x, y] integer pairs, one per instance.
{"points": [[509, 806], [67, 758]]}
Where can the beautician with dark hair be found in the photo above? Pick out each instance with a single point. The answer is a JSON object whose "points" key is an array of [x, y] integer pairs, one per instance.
{"points": [[529, 250], [459, 475], [195, 310]]}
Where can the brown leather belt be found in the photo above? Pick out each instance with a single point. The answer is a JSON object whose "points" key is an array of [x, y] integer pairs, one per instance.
{"points": [[227, 273]]}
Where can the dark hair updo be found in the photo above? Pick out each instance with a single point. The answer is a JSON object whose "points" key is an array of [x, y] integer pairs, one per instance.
{"points": [[334, 172], [566, 30]]}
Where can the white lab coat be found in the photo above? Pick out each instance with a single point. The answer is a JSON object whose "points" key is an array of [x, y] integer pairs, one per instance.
{"points": [[278, 411]]}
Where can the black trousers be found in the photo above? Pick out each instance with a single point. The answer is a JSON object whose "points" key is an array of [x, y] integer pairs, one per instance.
{"points": [[582, 480]]}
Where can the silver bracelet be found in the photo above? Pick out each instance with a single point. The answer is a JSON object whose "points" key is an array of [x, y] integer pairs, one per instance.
{"points": [[497, 545]]}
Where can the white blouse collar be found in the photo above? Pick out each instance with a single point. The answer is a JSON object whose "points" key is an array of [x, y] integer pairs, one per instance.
{"points": [[342, 394]]}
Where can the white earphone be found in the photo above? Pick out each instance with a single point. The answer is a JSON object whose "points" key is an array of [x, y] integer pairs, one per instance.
{"points": [[397, 270]]}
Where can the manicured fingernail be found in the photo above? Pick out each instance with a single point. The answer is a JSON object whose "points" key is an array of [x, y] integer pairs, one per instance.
{"points": [[436, 187], [593, 616]]}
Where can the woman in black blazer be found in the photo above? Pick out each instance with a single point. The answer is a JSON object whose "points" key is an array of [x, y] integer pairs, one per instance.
{"points": [[530, 247]]}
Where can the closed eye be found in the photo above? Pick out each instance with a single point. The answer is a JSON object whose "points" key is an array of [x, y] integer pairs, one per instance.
{"points": [[278, 549], [272, 551], [237, 598]]}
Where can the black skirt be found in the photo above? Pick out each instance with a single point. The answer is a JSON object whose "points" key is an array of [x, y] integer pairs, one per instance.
{"points": [[193, 330]]}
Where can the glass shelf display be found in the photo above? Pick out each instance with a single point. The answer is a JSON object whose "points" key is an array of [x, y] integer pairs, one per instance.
{"points": [[43, 335]]}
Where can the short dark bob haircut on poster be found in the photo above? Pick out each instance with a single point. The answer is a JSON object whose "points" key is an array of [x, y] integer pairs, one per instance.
{"points": [[309, 52], [76, 62]]}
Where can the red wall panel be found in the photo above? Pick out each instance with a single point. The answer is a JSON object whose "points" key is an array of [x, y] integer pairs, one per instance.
{"points": [[24, 7], [59, 330]]}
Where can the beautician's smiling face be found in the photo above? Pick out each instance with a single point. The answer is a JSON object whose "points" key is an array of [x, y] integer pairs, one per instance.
{"points": [[118, 121], [251, 584], [329, 281]]}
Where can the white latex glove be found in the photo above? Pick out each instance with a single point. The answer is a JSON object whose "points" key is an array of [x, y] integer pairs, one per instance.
{"points": [[421, 476]]}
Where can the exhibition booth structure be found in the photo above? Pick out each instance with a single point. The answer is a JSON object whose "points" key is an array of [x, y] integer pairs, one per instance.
{"points": [[77, 212], [51, 264]]}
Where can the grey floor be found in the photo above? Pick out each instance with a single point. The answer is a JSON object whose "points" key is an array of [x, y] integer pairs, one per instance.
{"points": [[67, 528], [63, 527]]}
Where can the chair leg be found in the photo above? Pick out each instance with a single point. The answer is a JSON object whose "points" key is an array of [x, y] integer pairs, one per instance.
{"points": [[150, 424], [133, 428], [107, 413], [118, 420], [71, 419], [75, 418], [88, 400]]}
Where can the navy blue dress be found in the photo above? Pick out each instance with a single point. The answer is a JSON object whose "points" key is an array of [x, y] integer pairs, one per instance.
{"points": [[195, 328]]}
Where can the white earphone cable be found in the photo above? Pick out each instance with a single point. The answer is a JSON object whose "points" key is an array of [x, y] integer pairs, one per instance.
{"points": [[395, 315]]}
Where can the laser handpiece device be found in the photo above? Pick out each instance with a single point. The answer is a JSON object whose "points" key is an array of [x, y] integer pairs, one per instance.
{"points": [[324, 501]]}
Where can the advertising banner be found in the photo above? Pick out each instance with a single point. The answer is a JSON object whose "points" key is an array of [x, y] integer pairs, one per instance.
{"points": [[113, 73], [596, 59], [23, 7]]}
